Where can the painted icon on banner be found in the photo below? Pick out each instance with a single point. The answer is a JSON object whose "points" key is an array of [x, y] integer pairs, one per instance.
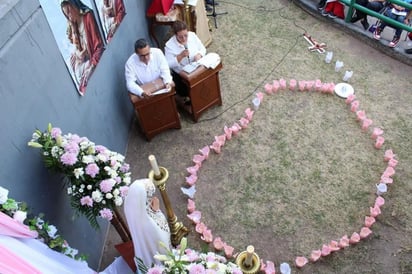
{"points": [[75, 29], [111, 14]]}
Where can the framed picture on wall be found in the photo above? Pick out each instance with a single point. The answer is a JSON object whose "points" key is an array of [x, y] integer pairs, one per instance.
{"points": [[77, 34], [111, 14]]}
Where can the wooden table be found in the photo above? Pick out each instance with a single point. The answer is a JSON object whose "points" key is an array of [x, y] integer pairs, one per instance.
{"points": [[204, 89], [157, 113]]}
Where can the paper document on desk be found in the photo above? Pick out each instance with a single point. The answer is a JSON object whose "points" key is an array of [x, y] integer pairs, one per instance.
{"points": [[190, 2], [210, 60], [189, 68], [160, 91]]}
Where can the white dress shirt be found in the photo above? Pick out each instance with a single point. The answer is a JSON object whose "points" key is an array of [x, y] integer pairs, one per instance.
{"points": [[174, 48], [138, 73]]}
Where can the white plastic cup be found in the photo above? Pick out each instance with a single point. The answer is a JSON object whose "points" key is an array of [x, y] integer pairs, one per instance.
{"points": [[256, 103], [338, 65], [347, 76], [329, 56], [381, 188]]}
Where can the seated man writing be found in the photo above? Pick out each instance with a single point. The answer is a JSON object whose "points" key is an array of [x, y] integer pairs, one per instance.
{"points": [[147, 70]]}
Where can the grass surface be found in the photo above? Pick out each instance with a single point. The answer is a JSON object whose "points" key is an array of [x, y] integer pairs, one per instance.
{"points": [[303, 173]]}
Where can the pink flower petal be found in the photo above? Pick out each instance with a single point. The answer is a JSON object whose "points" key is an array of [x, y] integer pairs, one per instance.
{"points": [[260, 96], [334, 246], [269, 88], [389, 155], [205, 151], [195, 216], [393, 162], [360, 115], [365, 232], [235, 128], [228, 250], [350, 99], [292, 84], [228, 132], [275, 86], [302, 85], [198, 159], [379, 201], [301, 261], [207, 236], [315, 255], [389, 171], [344, 241], [386, 179], [354, 106], [325, 251], [366, 124], [369, 220], [376, 132], [216, 147], [355, 238], [191, 180], [218, 243], [243, 122], [379, 142], [191, 205], [193, 169], [249, 114], [270, 268], [200, 227], [282, 84], [375, 211]]}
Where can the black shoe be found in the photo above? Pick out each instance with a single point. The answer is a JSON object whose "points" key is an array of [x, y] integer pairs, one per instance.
{"points": [[355, 19], [209, 8], [365, 24], [408, 51]]}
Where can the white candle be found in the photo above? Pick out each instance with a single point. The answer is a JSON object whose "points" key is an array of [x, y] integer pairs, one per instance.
{"points": [[154, 165], [248, 261]]}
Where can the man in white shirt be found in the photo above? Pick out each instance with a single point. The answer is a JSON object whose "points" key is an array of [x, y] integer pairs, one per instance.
{"points": [[145, 66]]}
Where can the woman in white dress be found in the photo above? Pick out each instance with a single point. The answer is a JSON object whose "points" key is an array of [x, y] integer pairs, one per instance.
{"points": [[148, 226]]}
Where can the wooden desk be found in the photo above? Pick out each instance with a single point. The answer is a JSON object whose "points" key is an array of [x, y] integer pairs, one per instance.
{"points": [[204, 89], [157, 113]]}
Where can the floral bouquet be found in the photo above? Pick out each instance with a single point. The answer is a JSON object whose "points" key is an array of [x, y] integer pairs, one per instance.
{"points": [[46, 233], [97, 178], [186, 260]]}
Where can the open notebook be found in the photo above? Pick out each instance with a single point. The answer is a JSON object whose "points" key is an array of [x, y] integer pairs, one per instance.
{"points": [[210, 60]]}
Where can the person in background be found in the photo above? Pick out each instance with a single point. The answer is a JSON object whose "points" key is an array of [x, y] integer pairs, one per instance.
{"points": [[409, 16], [146, 65], [397, 13], [183, 48], [375, 5], [332, 9], [148, 225]]}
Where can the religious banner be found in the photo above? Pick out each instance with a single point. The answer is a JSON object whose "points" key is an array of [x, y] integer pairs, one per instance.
{"points": [[111, 14], [77, 34]]}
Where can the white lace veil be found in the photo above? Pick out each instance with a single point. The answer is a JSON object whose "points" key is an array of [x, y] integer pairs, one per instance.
{"points": [[147, 228]]}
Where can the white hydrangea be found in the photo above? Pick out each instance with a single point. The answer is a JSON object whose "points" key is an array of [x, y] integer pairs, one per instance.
{"points": [[127, 180], [20, 216], [116, 192], [97, 196], [52, 230], [109, 195], [3, 195], [101, 157], [55, 151], [118, 201], [87, 159], [78, 172]]}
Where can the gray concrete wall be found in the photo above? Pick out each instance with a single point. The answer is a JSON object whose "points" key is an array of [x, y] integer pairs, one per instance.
{"points": [[36, 89]]}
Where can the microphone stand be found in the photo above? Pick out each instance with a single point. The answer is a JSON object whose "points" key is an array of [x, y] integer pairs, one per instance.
{"points": [[214, 13]]}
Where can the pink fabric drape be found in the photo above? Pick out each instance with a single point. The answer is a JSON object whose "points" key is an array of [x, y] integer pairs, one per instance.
{"points": [[10, 227], [10, 263]]}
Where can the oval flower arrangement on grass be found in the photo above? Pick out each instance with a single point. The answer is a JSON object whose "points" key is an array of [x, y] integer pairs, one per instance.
{"points": [[230, 132]]}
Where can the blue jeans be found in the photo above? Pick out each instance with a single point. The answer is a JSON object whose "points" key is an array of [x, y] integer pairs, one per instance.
{"points": [[399, 18]]}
